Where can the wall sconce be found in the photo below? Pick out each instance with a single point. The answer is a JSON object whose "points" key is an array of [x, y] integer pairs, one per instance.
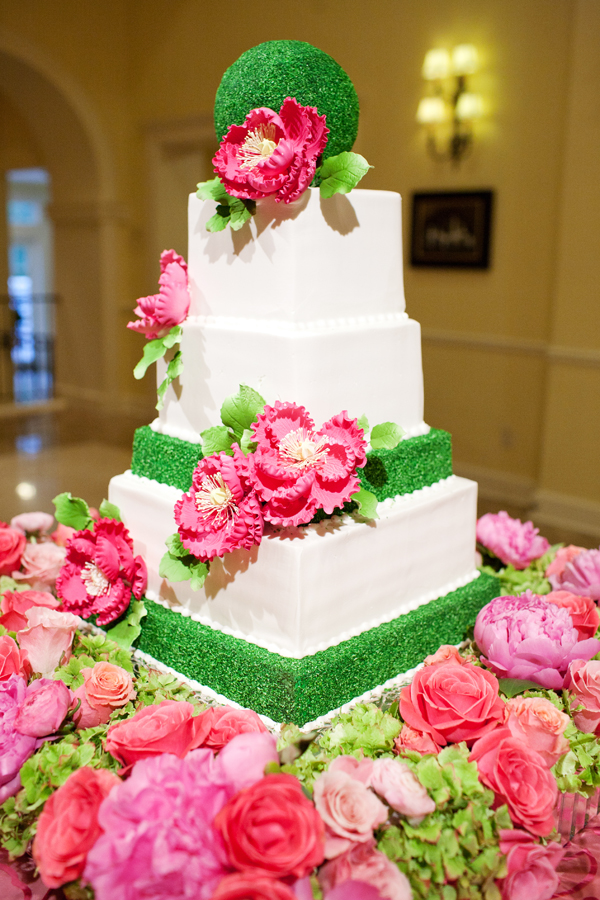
{"points": [[448, 105]]}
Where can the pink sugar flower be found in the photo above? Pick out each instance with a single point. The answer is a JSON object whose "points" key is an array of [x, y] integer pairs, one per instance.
{"points": [[298, 469], [270, 154], [526, 637], [221, 511], [557, 566], [582, 575], [101, 573], [511, 540], [160, 312]]}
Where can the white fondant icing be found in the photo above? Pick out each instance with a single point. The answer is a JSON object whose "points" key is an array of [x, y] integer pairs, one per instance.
{"points": [[305, 589]]}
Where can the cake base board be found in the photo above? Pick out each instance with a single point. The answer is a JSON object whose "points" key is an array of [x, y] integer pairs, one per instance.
{"points": [[302, 690]]}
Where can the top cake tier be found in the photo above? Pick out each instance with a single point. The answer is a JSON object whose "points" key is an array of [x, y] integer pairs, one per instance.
{"points": [[309, 261]]}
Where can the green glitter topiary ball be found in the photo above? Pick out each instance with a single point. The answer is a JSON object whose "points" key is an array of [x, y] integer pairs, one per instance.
{"points": [[265, 75]]}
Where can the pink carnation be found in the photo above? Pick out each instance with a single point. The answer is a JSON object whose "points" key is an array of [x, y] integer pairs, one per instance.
{"points": [[161, 312], [511, 540], [14, 606], [298, 469], [557, 566], [531, 866], [413, 739], [32, 522], [349, 809], [221, 511], [526, 637], [581, 575], [366, 864], [41, 564], [101, 573], [270, 154]]}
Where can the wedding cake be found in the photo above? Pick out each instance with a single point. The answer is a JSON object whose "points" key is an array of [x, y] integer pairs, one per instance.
{"points": [[304, 304]]}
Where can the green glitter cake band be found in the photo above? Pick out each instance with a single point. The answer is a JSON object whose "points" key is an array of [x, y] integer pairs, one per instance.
{"points": [[301, 690], [415, 463]]}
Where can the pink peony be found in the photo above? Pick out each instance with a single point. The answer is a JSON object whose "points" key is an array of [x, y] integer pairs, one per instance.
{"points": [[452, 703], [531, 866], [12, 545], [270, 154], [106, 687], [48, 637], [15, 604], [366, 864], [395, 782], [526, 637], [510, 540], [101, 573], [243, 886], [583, 611], [583, 680], [32, 522], [13, 661], [41, 564], [348, 808], [540, 724], [161, 312], [44, 708], [245, 756], [581, 575], [158, 837], [411, 739], [62, 535], [221, 511], [68, 828], [298, 470], [557, 566], [519, 777], [15, 747], [167, 727]]}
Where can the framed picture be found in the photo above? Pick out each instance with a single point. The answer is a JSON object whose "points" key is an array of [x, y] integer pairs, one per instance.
{"points": [[451, 229]]}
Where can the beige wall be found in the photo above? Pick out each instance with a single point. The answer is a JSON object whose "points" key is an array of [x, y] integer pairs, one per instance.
{"points": [[511, 355]]}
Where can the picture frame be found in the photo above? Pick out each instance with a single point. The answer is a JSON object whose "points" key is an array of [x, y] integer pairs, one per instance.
{"points": [[451, 229]]}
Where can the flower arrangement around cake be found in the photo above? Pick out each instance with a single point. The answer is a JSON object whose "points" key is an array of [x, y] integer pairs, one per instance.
{"points": [[122, 783]]}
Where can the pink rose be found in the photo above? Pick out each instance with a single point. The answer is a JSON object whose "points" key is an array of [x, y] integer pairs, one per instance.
{"points": [[245, 756], [242, 886], [519, 777], [411, 739], [540, 724], [348, 808], [161, 312], [12, 544], [452, 703], [15, 604], [366, 864], [106, 687], [32, 522], [395, 782], [13, 661], [531, 866], [41, 564], [225, 722], [511, 540], [68, 828], [583, 611], [446, 653], [62, 534], [581, 575], [557, 566], [583, 679], [272, 154], [48, 637], [271, 828], [359, 769], [44, 708], [168, 727]]}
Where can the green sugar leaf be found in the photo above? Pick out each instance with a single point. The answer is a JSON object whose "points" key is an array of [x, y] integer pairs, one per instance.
{"points": [[199, 571], [219, 221], [511, 687], [173, 337], [386, 436], [247, 444], [174, 369], [241, 211], [72, 511], [216, 439], [173, 569], [109, 511], [152, 351], [175, 546], [367, 503], [212, 190], [125, 633], [339, 174], [363, 423], [240, 410]]}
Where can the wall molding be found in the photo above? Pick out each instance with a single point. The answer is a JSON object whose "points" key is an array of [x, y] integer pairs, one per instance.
{"points": [[500, 487], [566, 511], [577, 356]]}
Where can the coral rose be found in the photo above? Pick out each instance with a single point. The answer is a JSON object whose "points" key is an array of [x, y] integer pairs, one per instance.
{"points": [[395, 782], [32, 522], [41, 564], [106, 687], [556, 568], [446, 653], [526, 637], [44, 708], [584, 681], [272, 829], [161, 312], [270, 154], [582, 575], [221, 511], [349, 809], [245, 756], [583, 611], [531, 866], [62, 534], [168, 727], [101, 573], [298, 469], [15, 748], [452, 703], [540, 724], [511, 540], [68, 828], [15, 604], [366, 864], [519, 777], [48, 638], [225, 722], [411, 739], [12, 660], [12, 545], [243, 886]]}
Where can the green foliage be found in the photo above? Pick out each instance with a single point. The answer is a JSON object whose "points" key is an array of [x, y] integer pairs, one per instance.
{"points": [[72, 511], [178, 564], [9, 584], [386, 436], [364, 728], [156, 349], [367, 503], [153, 687], [339, 174], [515, 581], [512, 687]]}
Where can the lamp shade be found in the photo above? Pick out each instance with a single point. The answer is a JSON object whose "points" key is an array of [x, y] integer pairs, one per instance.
{"points": [[431, 111], [469, 106], [464, 59], [436, 64]]}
